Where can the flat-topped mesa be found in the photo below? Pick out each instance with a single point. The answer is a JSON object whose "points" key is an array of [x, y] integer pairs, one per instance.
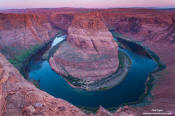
{"points": [[89, 33], [90, 53]]}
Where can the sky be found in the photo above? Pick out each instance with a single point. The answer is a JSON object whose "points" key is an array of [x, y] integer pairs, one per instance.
{"points": [[19, 4]]}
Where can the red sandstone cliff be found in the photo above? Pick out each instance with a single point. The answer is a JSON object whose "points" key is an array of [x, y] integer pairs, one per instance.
{"points": [[89, 33], [90, 52]]}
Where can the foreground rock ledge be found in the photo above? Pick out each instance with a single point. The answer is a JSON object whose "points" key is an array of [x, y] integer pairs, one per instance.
{"points": [[18, 97], [90, 53]]}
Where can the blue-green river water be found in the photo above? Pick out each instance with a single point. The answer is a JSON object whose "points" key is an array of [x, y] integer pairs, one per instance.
{"points": [[129, 90]]}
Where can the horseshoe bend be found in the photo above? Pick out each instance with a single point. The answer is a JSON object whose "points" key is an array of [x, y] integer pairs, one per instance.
{"points": [[90, 53], [78, 62]]}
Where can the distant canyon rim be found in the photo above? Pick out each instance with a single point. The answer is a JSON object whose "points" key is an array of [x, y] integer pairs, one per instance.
{"points": [[23, 32]]}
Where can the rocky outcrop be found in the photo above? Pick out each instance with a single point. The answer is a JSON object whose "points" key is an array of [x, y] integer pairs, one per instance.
{"points": [[89, 33], [19, 97], [90, 53]]}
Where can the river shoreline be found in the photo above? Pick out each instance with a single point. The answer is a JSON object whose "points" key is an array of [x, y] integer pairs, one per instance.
{"points": [[103, 84], [44, 47], [114, 108], [148, 83], [150, 79]]}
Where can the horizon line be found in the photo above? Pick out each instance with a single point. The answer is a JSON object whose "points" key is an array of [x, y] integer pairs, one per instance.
{"points": [[173, 7]]}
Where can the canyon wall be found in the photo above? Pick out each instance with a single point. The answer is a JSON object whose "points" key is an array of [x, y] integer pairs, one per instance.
{"points": [[26, 30], [142, 25], [23, 31]]}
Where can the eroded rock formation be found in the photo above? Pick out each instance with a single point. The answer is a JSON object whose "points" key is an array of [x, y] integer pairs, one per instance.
{"points": [[90, 53]]}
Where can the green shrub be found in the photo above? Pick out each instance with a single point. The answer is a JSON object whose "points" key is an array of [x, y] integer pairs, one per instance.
{"points": [[19, 60]]}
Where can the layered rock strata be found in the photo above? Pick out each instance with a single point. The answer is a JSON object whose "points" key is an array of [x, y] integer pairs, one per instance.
{"points": [[90, 53]]}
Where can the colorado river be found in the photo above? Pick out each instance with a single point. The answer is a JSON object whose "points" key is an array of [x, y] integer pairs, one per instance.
{"points": [[129, 90]]}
